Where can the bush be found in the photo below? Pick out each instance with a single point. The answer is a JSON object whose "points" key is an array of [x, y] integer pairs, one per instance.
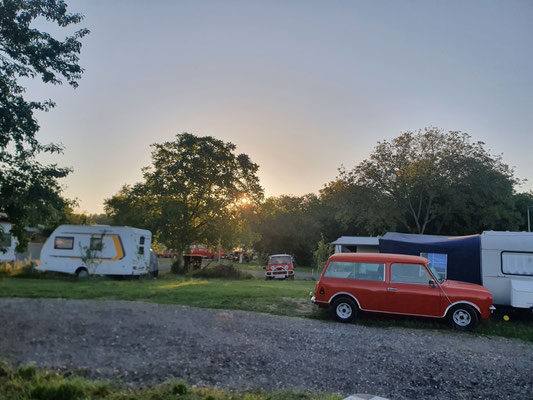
{"points": [[221, 271], [180, 387]]}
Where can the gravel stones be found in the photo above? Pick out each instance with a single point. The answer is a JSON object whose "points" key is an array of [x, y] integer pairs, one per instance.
{"points": [[141, 343]]}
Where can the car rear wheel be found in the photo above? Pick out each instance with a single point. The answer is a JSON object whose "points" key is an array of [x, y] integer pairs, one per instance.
{"points": [[463, 316], [344, 309]]}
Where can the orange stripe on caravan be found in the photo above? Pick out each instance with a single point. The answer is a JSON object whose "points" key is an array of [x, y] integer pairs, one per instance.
{"points": [[118, 248]]}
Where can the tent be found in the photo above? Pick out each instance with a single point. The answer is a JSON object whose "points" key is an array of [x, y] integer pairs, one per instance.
{"points": [[455, 257]]}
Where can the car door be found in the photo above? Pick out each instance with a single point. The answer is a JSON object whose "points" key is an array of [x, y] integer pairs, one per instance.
{"points": [[409, 291]]}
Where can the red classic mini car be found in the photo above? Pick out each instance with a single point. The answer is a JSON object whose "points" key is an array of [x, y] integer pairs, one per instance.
{"points": [[280, 266], [397, 284]]}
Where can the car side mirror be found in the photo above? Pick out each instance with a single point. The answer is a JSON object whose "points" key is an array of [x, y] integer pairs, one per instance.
{"points": [[432, 283]]}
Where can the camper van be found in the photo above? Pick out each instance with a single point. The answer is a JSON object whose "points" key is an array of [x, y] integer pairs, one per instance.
{"points": [[97, 250], [8, 242]]}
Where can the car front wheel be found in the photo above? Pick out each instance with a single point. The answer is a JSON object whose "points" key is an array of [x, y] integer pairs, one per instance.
{"points": [[463, 317], [344, 309]]}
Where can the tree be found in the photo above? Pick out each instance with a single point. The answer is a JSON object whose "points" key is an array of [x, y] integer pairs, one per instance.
{"points": [[192, 192], [287, 224], [432, 181], [29, 191]]}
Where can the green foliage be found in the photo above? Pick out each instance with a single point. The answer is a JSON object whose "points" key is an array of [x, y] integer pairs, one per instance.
{"points": [[428, 181], [288, 224], [221, 271], [192, 192], [179, 387], [48, 385], [29, 191], [322, 253]]}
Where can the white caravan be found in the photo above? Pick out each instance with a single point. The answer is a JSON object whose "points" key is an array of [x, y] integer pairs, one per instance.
{"points": [[8, 242], [97, 249], [507, 267]]}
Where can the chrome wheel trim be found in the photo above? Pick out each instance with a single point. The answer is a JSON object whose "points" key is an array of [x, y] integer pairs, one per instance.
{"points": [[344, 310], [462, 317]]}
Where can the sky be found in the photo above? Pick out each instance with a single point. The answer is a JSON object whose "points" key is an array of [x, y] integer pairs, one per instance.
{"points": [[302, 87]]}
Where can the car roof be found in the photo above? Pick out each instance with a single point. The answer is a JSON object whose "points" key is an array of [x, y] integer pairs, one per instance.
{"points": [[377, 257]]}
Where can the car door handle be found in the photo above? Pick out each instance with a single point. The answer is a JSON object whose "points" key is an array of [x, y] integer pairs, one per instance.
{"points": [[392, 289]]}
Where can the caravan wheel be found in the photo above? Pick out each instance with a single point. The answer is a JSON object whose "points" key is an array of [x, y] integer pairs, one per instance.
{"points": [[82, 273]]}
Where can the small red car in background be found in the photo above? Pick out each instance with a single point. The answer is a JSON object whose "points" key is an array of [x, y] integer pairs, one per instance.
{"points": [[280, 266], [397, 284]]}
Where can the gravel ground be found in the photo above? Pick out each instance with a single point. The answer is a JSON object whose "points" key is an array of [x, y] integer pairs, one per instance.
{"points": [[141, 343]]}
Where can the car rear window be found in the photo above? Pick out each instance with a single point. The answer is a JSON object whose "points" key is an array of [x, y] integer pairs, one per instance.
{"points": [[354, 270]]}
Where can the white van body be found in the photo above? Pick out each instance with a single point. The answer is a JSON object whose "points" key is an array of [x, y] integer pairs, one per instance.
{"points": [[97, 249], [507, 267], [8, 242]]}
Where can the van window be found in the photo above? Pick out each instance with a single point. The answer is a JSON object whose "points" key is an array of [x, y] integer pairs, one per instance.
{"points": [[141, 240], [97, 243], [141, 250], [517, 263], [409, 273], [64, 243], [5, 240], [353, 270]]}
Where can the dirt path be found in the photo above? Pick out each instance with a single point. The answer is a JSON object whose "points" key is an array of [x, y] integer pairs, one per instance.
{"points": [[140, 343]]}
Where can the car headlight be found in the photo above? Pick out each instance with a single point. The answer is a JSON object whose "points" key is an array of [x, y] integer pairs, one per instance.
{"points": [[286, 267]]}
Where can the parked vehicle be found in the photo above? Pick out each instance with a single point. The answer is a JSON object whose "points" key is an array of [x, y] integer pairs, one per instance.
{"points": [[8, 243], [169, 253], [196, 253], [280, 266], [97, 249], [500, 261], [397, 284]]}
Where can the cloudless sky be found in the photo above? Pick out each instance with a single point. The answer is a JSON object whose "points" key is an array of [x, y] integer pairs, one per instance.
{"points": [[303, 87]]}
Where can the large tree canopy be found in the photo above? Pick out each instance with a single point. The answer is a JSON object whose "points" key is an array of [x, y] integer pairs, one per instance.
{"points": [[428, 181], [193, 192], [29, 191]]}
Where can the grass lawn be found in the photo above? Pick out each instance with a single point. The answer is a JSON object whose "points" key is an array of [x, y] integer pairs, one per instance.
{"points": [[289, 298]]}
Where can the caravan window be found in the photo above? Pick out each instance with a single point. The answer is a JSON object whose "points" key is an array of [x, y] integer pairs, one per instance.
{"points": [[141, 250], [5, 240], [97, 243], [517, 263], [64, 243], [141, 240]]}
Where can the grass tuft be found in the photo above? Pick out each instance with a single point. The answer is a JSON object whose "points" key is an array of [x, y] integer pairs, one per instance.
{"points": [[31, 383]]}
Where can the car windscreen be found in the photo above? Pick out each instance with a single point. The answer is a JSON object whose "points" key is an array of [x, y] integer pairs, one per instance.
{"points": [[279, 260], [436, 273]]}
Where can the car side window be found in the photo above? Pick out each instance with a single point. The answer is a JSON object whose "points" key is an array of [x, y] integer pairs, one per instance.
{"points": [[352, 270], [409, 273]]}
